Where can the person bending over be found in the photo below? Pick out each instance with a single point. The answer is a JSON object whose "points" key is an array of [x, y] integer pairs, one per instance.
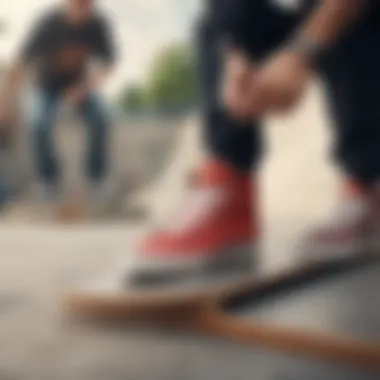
{"points": [[71, 52]]}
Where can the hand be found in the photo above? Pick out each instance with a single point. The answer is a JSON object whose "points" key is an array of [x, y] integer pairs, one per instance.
{"points": [[76, 94], [237, 84], [280, 83]]}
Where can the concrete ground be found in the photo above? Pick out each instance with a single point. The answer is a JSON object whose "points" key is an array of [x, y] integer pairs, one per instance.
{"points": [[38, 262], [37, 341]]}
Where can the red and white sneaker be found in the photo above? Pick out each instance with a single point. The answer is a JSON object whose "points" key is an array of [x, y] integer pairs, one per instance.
{"points": [[213, 232], [348, 232]]}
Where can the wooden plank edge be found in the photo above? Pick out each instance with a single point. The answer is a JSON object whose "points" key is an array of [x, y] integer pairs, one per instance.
{"points": [[331, 348]]}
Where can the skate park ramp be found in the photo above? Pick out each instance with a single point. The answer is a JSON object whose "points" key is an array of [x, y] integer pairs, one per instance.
{"points": [[38, 342], [139, 151]]}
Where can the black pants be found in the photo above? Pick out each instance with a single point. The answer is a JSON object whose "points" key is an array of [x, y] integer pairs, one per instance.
{"points": [[351, 74]]}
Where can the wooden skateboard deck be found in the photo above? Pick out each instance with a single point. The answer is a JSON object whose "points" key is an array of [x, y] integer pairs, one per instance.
{"points": [[330, 312], [235, 310]]}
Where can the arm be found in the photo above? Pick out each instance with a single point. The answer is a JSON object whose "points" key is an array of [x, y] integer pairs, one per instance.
{"points": [[99, 73], [331, 20], [283, 78], [250, 29], [98, 76], [105, 52]]}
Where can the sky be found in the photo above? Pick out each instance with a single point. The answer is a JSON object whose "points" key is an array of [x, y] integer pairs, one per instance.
{"points": [[142, 27]]}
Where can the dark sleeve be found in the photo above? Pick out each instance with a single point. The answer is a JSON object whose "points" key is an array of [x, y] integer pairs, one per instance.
{"points": [[257, 28], [105, 44], [36, 39]]}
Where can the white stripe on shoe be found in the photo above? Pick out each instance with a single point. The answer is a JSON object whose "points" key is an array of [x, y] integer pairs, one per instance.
{"points": [[198, 204]]}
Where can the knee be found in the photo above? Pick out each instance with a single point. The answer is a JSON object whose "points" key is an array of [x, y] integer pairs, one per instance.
{"points": [[41, 129], [96, 113], [40, 120]]}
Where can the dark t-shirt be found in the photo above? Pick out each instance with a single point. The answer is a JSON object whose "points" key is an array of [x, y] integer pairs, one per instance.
{"points": [[61, 52]]}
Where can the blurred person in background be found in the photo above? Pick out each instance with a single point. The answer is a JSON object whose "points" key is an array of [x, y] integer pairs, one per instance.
{"points": [[71, 52], [257, 57]]}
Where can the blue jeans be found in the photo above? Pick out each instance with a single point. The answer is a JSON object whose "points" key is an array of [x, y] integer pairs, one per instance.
{"points": [[44, 117]]}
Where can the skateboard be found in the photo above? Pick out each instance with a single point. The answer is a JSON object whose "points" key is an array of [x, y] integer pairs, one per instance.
{"points": [[305, 309], [327, 311], [112, 295]]}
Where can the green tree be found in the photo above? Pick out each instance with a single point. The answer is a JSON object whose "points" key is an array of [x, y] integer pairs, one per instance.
{"points": [[173, 80], [133, 99]]}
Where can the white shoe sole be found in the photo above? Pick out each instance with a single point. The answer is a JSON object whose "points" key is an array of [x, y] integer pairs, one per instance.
{"points": [[231, 260], [116, 294]]}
